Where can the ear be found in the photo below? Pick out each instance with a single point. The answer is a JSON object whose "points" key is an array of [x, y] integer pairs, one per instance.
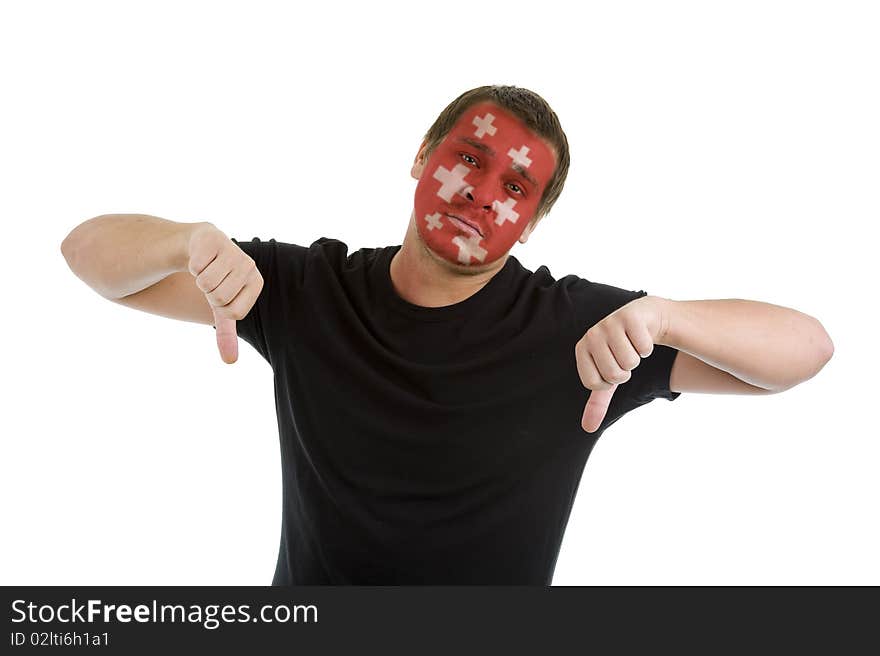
{"points": [[524, 237], [419, 162]]}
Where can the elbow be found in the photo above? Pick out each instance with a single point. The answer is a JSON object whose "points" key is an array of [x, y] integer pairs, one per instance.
{"points": [[818, 342], [822, 349], [71, 245], [822, 359], [826, 345], [68, 249], [74, 247]]}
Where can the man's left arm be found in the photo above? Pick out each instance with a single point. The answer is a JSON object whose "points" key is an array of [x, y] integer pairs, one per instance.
{"points": [[764, 345], [725, 346]]}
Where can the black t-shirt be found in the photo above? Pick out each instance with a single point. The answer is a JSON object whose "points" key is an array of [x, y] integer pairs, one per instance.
{"points": [[428, 445]]}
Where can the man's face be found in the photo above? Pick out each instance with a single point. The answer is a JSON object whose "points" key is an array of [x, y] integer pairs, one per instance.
{"points": [[481, 186]]}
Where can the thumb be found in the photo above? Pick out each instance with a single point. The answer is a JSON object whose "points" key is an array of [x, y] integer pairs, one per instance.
{"points": [[227, 339], [597, 406]]}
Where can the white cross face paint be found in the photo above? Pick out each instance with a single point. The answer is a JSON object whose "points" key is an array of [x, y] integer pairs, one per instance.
{"points": [[485, 180], [452, 182], [520, 156], [484, 125], [505, 212], [469, 248], [433, 221]]}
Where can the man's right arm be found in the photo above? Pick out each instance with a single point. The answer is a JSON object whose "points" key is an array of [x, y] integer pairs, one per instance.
{"points": [[186, 271]]}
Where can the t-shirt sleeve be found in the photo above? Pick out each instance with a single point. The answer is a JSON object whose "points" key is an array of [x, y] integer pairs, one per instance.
{"points": [[650, 379], [281, 265]]}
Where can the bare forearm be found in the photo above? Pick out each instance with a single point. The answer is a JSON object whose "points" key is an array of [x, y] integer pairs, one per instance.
{"points": [[766, 345], [120, 254]]}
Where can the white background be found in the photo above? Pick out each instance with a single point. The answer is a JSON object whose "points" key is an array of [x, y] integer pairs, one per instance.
{"points": [[719, 150]]}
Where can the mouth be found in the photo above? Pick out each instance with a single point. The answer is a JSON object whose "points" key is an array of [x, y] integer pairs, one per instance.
{"points": [[467, 226]]}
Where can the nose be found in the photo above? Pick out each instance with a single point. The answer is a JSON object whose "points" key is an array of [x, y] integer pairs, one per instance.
{"points": [[480, 196]]}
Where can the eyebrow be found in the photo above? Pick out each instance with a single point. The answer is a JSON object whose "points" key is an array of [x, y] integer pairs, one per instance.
{"points": [[516, 167]]}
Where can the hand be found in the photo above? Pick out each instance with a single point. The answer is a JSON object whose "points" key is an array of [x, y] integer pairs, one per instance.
{"points": [[230, 280], [613, 347]]}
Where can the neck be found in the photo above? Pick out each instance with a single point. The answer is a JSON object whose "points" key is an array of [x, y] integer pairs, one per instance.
{"points": [[422, 278]]}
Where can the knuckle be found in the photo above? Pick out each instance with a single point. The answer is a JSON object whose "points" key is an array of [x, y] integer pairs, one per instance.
{"points": [[240, 309]]}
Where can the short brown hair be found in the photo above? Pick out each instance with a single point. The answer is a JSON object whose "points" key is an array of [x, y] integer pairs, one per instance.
{"points": [[529, 107]]}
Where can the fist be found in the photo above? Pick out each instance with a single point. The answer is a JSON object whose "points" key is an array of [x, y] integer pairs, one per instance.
{"points": [[229, 279], [612, 348]]}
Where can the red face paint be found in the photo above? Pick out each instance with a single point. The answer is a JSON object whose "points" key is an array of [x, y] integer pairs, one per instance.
{"points": [[490, 172]]}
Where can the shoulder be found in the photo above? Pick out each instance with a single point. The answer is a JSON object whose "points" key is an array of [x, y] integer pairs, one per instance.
{"points": [[324, 249], [333, 254], [586, 300]]}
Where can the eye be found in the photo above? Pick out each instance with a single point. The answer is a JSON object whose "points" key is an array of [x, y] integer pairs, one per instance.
{"points": [[516, 188], [469, 159]]}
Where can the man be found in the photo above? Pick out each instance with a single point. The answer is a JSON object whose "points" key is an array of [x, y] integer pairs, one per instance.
{"points": [[433, 397]]}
